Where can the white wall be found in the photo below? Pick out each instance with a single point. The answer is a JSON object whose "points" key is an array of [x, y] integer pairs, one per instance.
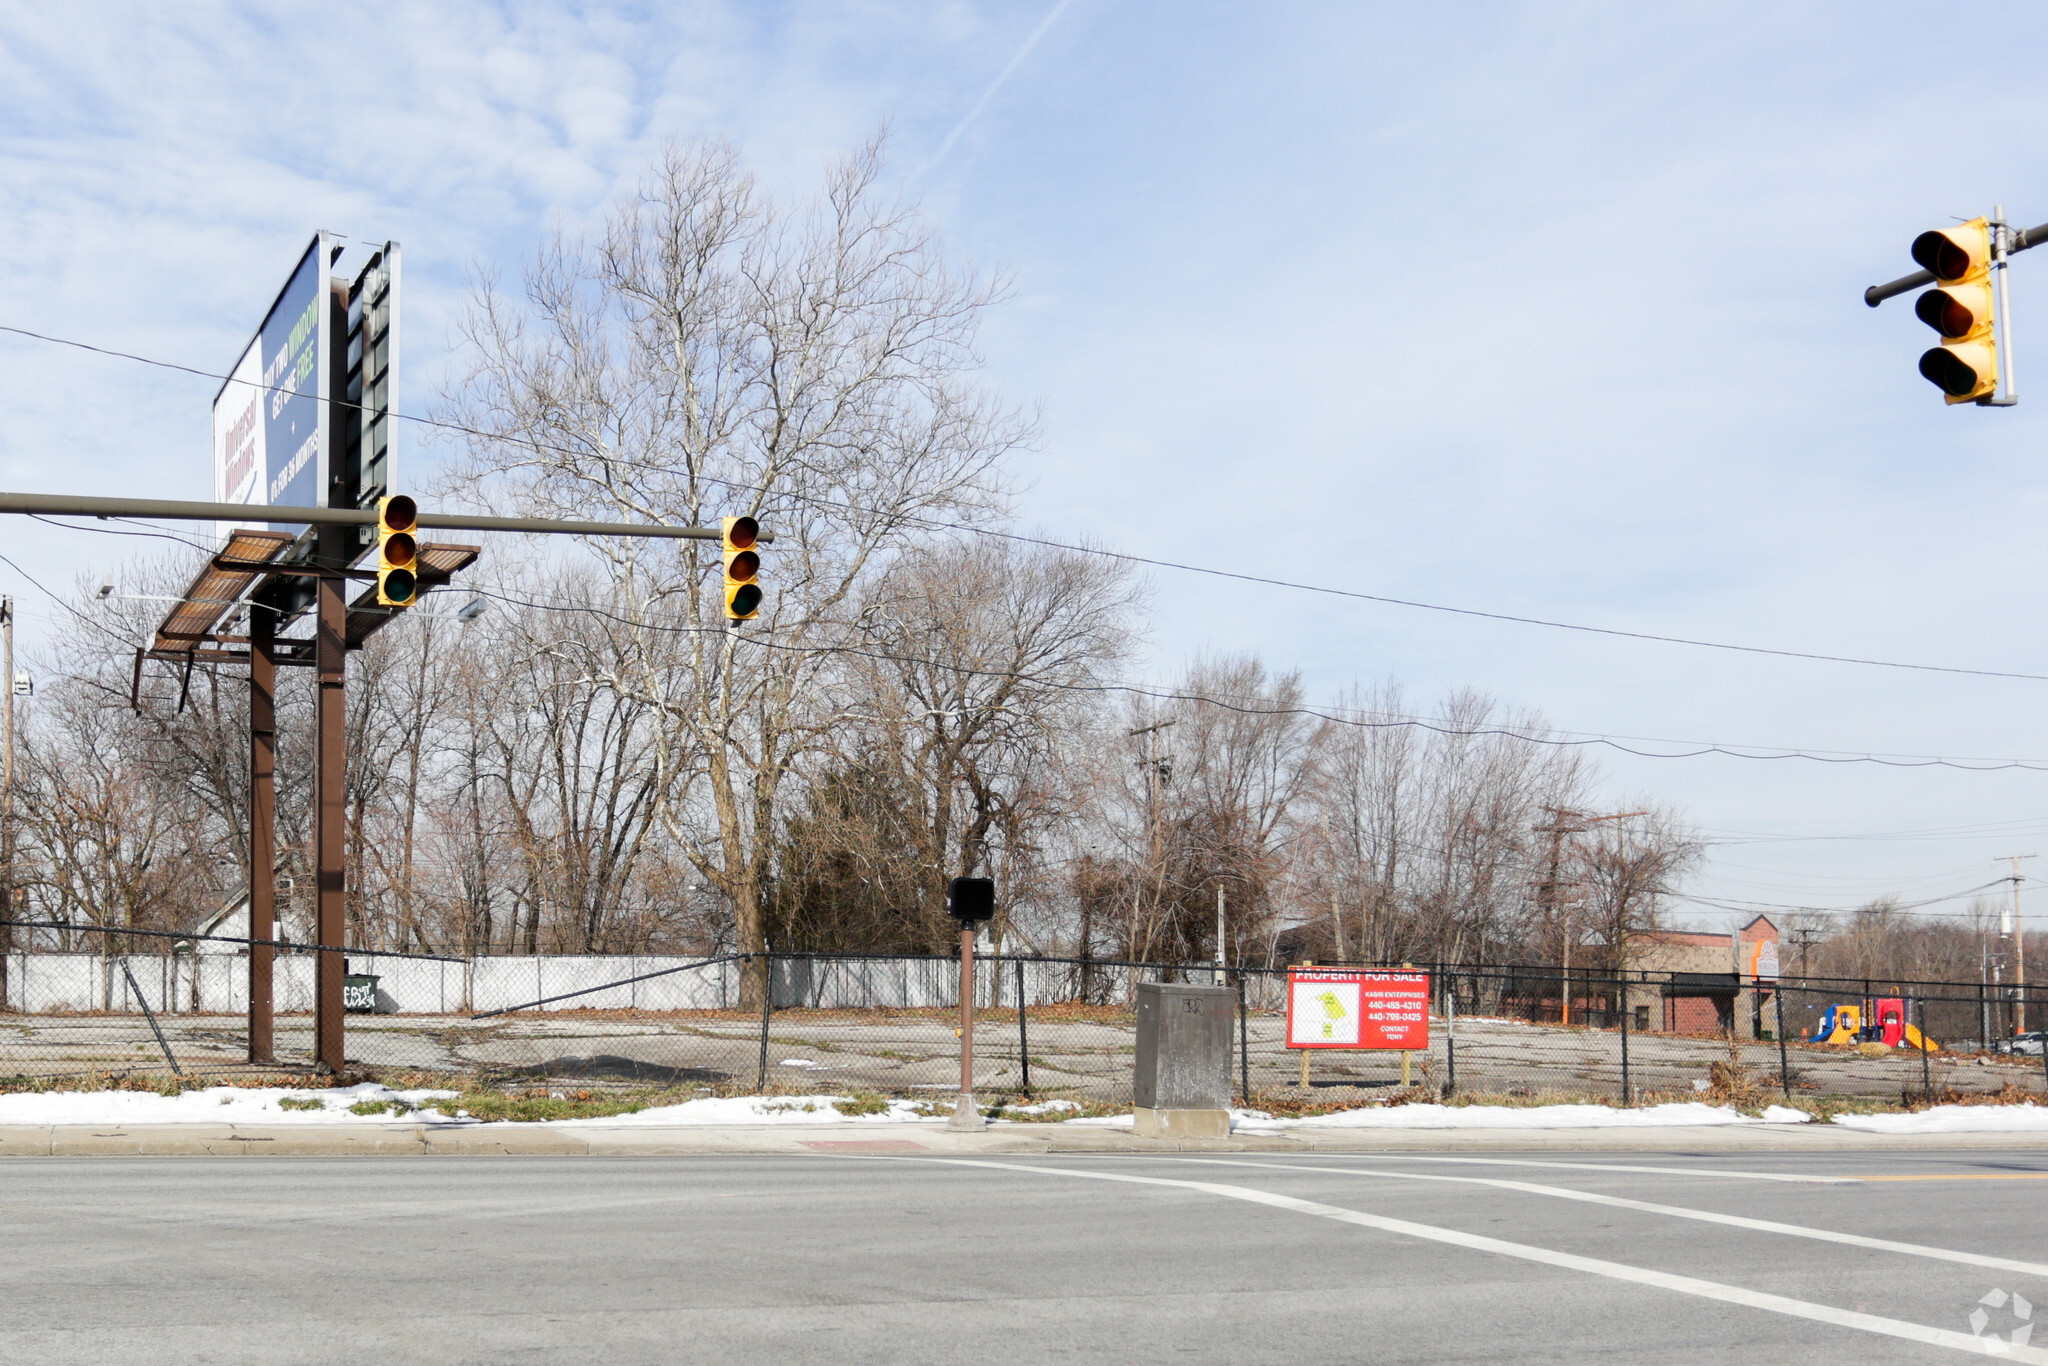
{"points": [[44, 982]]}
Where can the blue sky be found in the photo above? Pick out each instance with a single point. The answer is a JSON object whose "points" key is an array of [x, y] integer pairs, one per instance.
{"points": [[1545, 309]]}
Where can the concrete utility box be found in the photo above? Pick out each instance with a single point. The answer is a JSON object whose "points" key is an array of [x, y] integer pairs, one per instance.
{"points": [[1182, 1087]]}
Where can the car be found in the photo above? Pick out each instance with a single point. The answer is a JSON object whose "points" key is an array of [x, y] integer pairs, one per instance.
{"points": [[2032, 1042]]}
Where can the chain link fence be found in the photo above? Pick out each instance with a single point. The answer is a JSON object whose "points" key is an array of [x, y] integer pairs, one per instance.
{"points": [[139, 1007]]}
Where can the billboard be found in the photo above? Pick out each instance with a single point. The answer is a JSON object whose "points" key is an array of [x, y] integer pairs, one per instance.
{"points": [[270, 417], [1349, 1008]]}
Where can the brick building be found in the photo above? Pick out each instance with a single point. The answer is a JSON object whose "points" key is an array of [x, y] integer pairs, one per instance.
{"points": [[1710, 981]]}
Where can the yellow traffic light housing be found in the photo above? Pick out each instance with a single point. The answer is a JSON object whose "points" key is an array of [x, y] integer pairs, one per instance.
{"points": [[1960, 307], [742, 567], [398, 581]]}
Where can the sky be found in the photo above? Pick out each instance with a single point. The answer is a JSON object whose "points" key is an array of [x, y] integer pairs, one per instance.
{"points": [[1545, 310]]}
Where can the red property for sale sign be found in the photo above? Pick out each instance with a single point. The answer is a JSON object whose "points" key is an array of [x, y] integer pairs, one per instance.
{"points": [[1352, 1008]]}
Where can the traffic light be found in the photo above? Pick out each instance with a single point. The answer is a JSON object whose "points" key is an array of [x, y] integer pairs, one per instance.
{"points": [[398, 553], [742, 567], [971, 900], [1965, 366]]}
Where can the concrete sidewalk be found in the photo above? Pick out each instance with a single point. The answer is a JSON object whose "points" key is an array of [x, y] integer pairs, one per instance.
{"points": [[403, 1139]]}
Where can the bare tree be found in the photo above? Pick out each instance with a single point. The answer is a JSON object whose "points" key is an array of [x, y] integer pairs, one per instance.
{"points": [[709, 354]]}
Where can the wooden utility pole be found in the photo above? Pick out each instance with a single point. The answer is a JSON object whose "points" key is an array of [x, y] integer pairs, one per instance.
{"points": [[1152, 776], [2019, 945]]}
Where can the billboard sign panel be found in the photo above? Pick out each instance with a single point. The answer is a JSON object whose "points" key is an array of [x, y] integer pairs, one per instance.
{"points": [[1760, 960], [270, 418], [1352, 1008]]}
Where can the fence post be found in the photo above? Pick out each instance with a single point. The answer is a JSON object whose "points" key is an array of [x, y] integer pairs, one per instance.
{"points": [[1244, 1060], [1784, 1057], [767, 1002], [1023, 1035], [1624, 1042], [1919, 1016], [2044, 1059], [1450, 1037]]}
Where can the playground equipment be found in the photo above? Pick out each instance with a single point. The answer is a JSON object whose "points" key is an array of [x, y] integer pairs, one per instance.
{"points": [[1887, 1024]]}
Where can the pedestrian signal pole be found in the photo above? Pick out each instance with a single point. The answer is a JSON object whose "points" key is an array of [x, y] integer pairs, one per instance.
{"points": [[971, 901]]}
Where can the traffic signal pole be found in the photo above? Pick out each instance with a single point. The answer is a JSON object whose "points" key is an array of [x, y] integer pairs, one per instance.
{"points": [[1906, 284], [2001, 237], [335, 548]]}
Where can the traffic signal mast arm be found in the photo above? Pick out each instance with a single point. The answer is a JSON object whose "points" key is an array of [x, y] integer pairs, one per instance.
{"points": [[1905, 284], [169, 510]]}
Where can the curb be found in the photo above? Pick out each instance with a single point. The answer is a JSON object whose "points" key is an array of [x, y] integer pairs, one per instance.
{"points": [[596, 1140]]}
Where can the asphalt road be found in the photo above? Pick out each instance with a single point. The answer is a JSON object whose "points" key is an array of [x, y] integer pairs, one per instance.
{"points": [[893, 1257]]}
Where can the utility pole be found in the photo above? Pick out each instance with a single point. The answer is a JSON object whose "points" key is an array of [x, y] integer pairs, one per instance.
{"points": [[1565, 821], [1336, 921], [1219, 934], [1152, 778], [1805, 938], [6, 791], [2019, 944]]}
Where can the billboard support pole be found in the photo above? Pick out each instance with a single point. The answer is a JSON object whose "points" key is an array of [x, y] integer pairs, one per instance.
{"points": [[334, 549], [262, 827], [331, 757]]}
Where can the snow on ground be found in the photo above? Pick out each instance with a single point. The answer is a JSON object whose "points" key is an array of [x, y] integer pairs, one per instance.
{"points": [[236, 1105], [1512, 1117], [214, 1105], [1955, 1119], [747, 1110]]}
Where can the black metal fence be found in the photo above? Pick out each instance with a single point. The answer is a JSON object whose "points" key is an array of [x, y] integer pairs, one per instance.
{"points": [[1045, 1028]]}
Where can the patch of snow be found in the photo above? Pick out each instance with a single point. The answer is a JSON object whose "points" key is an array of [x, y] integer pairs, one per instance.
{"points": [[800, 1062], [749, 1110], [1497, 1117], [1785, 1114], [1104, 1122], [215, 1105], [1043, 1107], [1955, 1119]]}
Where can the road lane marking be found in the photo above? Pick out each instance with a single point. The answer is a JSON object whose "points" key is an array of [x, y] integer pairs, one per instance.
{"points": [[1965, 1176], [1941, 1254], [1571, 1261], [1793, 1177]]}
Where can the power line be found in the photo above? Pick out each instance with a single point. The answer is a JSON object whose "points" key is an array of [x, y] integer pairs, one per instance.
{"points": [[1742, 906], [1124, 556], [1387, 721], [1380, 721]]}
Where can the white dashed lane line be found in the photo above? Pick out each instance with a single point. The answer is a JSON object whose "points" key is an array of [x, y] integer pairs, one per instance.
{"points": [[1724, 1174], [1571, 1261], [1940, 1254]]}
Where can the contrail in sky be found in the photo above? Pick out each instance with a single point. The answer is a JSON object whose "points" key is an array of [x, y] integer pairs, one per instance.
{"points": [[1052, 17]]}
